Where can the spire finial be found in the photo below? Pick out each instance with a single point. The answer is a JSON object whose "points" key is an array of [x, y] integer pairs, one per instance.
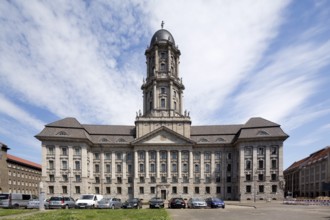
{"points": [[162, 24]]}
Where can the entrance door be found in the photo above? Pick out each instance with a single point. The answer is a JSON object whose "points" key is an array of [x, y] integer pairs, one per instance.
{"points": [[163, 194]]}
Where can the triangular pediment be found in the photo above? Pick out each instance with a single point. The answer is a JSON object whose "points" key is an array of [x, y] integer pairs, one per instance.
{"points": [[162, 136]]}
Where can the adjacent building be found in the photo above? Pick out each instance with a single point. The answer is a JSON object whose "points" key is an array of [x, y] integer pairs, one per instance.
{"points": [[163, 154], [17, 174], [309, 177]]}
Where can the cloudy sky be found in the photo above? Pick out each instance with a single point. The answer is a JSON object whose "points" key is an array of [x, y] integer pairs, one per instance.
{"points": [[240, 59]]}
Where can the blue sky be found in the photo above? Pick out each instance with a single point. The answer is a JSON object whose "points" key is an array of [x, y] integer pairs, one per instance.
{"points": [[240, 59]]}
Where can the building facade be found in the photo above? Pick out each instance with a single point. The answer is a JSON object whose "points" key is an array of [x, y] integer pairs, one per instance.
{"points": [[163, 154], [309, 177], [17, 174]]}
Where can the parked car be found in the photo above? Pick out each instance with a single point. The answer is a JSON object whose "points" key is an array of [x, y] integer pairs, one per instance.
{"points": [[196, 203], [132, 204], [156, 203], [88, 201], [107, 203], [15, 200], [34, 204], [215, 203], [63, 202], [176, 203]]}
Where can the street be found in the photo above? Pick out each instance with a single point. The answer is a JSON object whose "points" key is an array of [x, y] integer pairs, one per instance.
{"points": [[261, 211]]}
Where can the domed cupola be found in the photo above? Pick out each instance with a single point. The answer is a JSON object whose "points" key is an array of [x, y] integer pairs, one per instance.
{"points": [[162, 36]]}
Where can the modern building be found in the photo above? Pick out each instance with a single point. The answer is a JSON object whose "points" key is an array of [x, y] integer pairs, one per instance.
{"points": [[163, 154], [17, 174], [309, 177]]}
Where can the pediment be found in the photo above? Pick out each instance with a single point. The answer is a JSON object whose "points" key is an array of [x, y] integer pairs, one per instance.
{"points": [[163, 136]]}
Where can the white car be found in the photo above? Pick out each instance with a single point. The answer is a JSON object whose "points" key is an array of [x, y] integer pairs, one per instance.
{"points": [[88, 201]]}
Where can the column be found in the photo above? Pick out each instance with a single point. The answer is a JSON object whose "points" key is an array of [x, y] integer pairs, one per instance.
{"points": [[169, 59], [124, 166], [136, 164], [202, 166], [168, 164], [144, 102], [179, 164], [170, 101], [156, 59], [181, 102], [154, 92], [191, 164], [157, 164], [113, 166], [147, 165], [212, 167], [267, 163], [102, 171]]}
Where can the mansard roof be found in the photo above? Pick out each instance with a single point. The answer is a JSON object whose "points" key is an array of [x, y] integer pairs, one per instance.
{"points": [[66, 123]]}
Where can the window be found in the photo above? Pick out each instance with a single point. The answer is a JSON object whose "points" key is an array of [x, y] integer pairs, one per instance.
{"points": [[248, 177], [248, 189], [218, 190], [141, 179], [185, 190], [218, 179], [274, 164], [185, 179], [261, 164], [64, 164], [96, 156], [174, 179], [65, 178], [77, 165], [261, 151], [118, 156], [218, 168], [51, 178], [141, 189], [174, 167], [141, 155], [78, 178], [163, 167], [129, 156], [108, 168], [97, 168], [107, 179], [274, 177], [248, 165], [77, 189], [107, 156], [229, 156], [185, 155], [77, 151], [51, 189], [97, 190], [119, 190], [162, 103], [162, 90], [50, 150], [196, 168], [248, 151], [207, 156], [64, 151], [163, 155], [141, 167], [273, 150], [207, 168], [229, 189], [119, 180], [228, 179], [51, 164], [152, 190], [229, 167], [118, 168], [152, 168], [163, 179], [152, 179], [174, 190], [196, 190], [261, 189], [64, 189], [197, 179], [218, 155], [197, 156], [108, 190], [162, 66], [129, 168], [130, 179], [174, 155], [152, 155], [274, 189], [207, 190], [261, 177], [185, 168], [97, 179]]}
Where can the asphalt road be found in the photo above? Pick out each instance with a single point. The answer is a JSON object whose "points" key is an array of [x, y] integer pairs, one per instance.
{"points": [[264, 211]]}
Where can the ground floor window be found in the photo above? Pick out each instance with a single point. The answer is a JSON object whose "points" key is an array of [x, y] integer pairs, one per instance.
{"points": [[174, 190], [97, 190], [218, 189], [207, 190], [141, 190], [261, 189], [274, 188], [196, 190], [185, 190], [152, 190], [248, 189], [108, 191], [119, 190], [77, 189], [229, 189], [51, 189]]}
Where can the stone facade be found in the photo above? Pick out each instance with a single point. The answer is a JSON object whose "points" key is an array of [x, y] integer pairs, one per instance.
{"points": [[4, 187], [163, 155]]}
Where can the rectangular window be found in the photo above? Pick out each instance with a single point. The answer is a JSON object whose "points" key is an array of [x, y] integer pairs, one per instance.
{"points": [[51, 189], [77, 151], [248, 189], [274, 164], [97, 190], [174, 155], [141, 155], [261, 177], [64, 189], [174, 179], [152, 168], [108, 168], [261, 164], [248, 151], [152, 155], [207, 168], [97, 168], [174, 167], [64, 164], [118, 156], [119, 190], [50, 150], [108, 190], [185, 190], [77, 189], [162, 90], [273, 150], [185, 168], [152, 190], [51, 164], [108, 156], [64, 151], [218, 190], [97, 179], [163, 179], [218, 179], [96, 156], [248, 165], [228, 179], [163, 167], [248, 177], [119, 181], [65, 178], [207, 190], [51, 178], [141, 179], [196, 190], [141, 189], [77, 165], [108, 179], [163, 155], [130, 190], [174, 190], [162, 105], [261, 151], [261, 189], [142, 167], [229, 156], [218, 155], [229, 189], [118, 168], [229, 167], [78, 178], [274, 188]]}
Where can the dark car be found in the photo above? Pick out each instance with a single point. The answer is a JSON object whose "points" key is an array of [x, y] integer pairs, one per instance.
{"points": [[63, 202], [215, 203], [156, 203], [132, 204], [176, 203]]}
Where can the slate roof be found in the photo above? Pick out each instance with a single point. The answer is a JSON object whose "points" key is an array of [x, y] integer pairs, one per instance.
{"points": [[70, 128]]}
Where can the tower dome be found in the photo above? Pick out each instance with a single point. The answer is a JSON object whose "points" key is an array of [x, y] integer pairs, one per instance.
{"points": [[162, 35]]}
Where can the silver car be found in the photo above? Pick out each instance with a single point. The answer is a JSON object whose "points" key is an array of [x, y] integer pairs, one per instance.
{"points": [[109, 203], [196, 203], [63, 202]]}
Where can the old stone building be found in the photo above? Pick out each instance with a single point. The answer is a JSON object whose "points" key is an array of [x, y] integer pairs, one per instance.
{"points": [[163, 154], [310, 176], [17, 174]]}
